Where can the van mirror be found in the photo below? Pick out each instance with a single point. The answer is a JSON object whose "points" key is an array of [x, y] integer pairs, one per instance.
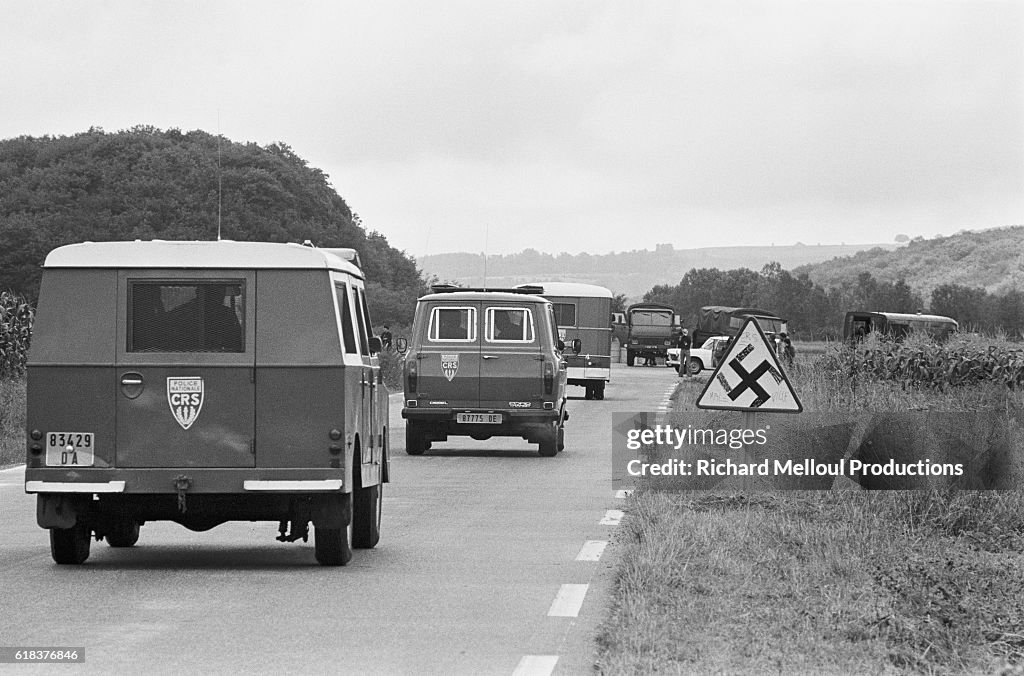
{"points": [[375, 345], [561, 345], [577, 345], [401, 344]]}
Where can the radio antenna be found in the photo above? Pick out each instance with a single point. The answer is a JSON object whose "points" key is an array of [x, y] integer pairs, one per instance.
{"points": [[486, 228], [219, 179]]}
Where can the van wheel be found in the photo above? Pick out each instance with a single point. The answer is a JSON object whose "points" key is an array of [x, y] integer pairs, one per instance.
{"points": [[415, 444], [590, 392], [548, 445], [599, 392], [367, 505], [561, 438], [333, 546], [123, 534], [630, 358], [696, 366], [70, 545]]}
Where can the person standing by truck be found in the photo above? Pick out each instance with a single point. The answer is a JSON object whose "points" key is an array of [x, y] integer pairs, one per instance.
{"points": [[684, 343]]}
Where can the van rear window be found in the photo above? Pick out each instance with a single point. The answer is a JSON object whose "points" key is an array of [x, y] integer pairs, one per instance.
{"points": [[201, 316], [453, 323], [509, 325]]}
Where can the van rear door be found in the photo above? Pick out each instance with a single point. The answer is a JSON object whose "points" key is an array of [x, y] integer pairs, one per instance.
{"points": [[185, 369], [511, 365], [449, 357]]}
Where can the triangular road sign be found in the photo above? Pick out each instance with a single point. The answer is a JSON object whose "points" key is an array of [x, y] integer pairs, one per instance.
{"points": [[750, 378]]}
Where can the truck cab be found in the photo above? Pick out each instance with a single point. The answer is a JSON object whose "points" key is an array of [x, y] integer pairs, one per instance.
{"points": [[205, 382], [484, 363]]}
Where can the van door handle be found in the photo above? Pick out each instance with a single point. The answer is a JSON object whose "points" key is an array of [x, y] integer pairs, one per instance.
{"points": [[128, 381], [490, 356]]}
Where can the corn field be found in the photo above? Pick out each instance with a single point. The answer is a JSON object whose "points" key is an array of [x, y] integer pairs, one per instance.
{"points": [[16, 317], [923, 364]]}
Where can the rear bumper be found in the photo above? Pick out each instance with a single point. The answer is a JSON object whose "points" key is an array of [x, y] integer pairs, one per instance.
{"points": [[199, 480]]}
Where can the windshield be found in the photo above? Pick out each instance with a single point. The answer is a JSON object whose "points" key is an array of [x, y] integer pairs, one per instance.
{"points": [[651, 318]]}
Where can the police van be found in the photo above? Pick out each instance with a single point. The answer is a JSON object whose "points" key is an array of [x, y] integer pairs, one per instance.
{"points": [[582, 314], [205, 382], [484, 363]]}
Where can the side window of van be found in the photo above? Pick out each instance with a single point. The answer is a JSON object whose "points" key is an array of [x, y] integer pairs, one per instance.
{"points": [[348, 333], [565, 314], [452, 324], [196, 316], [360, 322], [366, 312], [509, 325]]}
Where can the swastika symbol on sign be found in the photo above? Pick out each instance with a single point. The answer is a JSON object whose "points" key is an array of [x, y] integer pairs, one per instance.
{"points": [[748, 379]]}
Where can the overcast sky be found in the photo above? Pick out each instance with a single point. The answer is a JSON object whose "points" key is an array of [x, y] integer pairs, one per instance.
{"points": [[568, 126]]}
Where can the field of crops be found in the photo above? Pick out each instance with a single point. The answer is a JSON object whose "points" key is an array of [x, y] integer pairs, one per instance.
{"points": [[917, 362]]}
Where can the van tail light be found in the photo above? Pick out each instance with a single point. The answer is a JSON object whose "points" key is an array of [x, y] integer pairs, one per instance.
{"points": [[412, 372], [549, 377]]}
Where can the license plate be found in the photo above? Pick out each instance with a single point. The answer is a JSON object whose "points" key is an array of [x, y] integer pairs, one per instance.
{"points": [[478, 418], [69, 449]]}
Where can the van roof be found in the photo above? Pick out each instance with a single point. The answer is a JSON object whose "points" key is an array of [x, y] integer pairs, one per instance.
{"points": [[572, 289], [201, 254], [489, 296]]}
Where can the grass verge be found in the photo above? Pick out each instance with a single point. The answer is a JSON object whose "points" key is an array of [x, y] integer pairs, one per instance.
{"points": [[824, 582]]}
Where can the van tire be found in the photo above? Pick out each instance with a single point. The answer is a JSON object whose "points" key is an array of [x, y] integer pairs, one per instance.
{"points": [[70, 546], [367, 504], [548, 445], [695, 366], [415, 443], [590, 392], [599, 392], [333, 546], [123, 534]]}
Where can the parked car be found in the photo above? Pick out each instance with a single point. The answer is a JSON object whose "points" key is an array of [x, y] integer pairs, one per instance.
{"points": [[702, 357]]}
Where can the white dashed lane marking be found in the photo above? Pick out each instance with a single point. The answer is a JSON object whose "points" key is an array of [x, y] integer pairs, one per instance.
{"points": [[592, 550], [568, 601], [536, 665], [612, 517], [623, 494]]}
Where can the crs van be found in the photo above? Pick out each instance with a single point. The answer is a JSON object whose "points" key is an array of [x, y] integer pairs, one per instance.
{"points": [[205, 382], [484, 363]]}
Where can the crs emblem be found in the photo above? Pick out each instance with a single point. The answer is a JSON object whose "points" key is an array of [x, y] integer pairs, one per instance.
{"points": [[449, 365], [185, 397]]}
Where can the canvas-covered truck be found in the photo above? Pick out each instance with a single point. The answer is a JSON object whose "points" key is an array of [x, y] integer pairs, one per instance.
{"points": [[582, 314], [653, 328], [718, 320], [205, 382]]}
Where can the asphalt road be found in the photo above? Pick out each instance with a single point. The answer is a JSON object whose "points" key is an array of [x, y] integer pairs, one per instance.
{"points": [[490, 562]]}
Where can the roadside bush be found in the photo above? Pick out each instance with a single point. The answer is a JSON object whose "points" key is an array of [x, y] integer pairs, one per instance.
{"points": [[16, 317]]}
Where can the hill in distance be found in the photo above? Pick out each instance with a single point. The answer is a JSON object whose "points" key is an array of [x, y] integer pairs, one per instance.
{"points": [[991, 259], [632, 273]]}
